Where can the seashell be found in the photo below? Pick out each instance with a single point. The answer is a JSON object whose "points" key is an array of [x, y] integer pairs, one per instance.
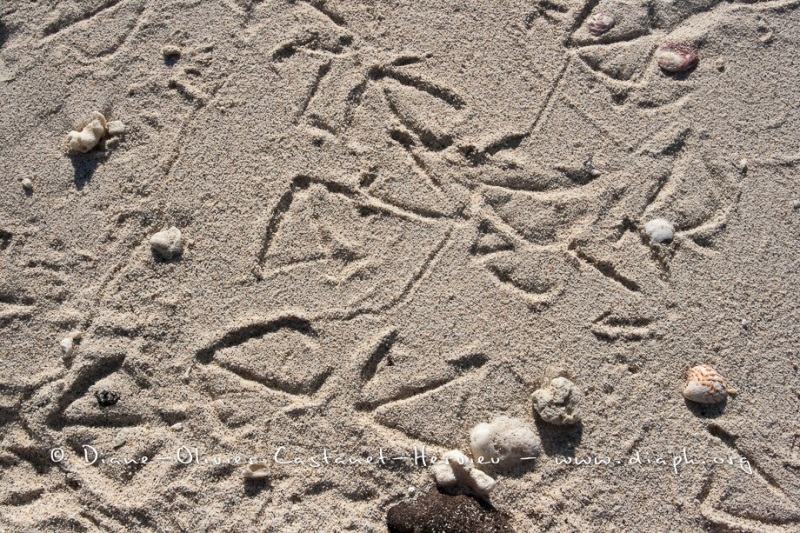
{"points": [[705, 385], [659, 230], [558, 402], [258, 470], [91, 134], [677, 56], [68, 344], [505, 441], [599, 23], [167, 243]]}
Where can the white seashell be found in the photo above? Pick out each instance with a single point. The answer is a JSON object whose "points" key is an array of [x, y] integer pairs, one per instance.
{"points": [[258, 470], [167, 243], [705, 385], [599, 23], [659, 230], [677, 56], [68, 344], [558, 402], [505, 440]]}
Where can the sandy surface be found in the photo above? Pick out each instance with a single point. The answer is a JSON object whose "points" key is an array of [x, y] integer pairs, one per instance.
{"points": [[397, 218]]}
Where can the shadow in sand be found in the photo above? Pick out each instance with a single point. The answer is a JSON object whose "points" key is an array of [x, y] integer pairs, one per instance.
{"points": [[85, 165], [3, 33], [559, 440], [706, 410], [254, 487]]}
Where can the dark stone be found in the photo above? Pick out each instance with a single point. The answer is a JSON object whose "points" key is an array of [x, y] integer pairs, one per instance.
{"points": [[106, 398], [435, 512]]}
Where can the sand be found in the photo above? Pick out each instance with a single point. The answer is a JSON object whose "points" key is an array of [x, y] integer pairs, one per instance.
{"points": [[396, 220]]}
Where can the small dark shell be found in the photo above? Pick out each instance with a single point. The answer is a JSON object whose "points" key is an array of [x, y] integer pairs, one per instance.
{"points": [[677, 56], [599, 23]]}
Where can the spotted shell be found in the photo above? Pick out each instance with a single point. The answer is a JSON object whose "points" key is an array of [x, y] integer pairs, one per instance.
{"points": [[677, 56], [600, 23], [705, 385]]}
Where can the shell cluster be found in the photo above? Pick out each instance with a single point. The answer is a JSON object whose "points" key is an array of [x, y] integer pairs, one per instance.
{"points": [[95, 129], [706, 385], [558, 403], [599, 23], [677, 56]]}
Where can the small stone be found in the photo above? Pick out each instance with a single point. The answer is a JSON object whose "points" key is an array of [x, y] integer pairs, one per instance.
{"points": [[167, 243], [258, 470], [720, 64], [177, 427], [558, 403], [659, 230], [27, 184], [411, 490], [106, 398], [796, 204]]}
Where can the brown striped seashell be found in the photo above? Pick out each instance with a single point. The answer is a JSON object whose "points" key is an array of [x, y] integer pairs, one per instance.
{"points": [[705, 385], [677, 56], [599, 23]]}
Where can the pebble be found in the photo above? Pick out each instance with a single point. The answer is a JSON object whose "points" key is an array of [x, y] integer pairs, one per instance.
{"points": [[558, 403], [168, 243], [659, 230], [796, 204], [27, 184]]}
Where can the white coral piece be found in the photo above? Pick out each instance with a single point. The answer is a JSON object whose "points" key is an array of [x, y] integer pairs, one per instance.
{"points": [[457, 469], [91, 134], [558, 402], [503, 442]]}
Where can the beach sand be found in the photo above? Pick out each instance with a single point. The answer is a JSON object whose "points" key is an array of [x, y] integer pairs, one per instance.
{"points": [[398, 220]]}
